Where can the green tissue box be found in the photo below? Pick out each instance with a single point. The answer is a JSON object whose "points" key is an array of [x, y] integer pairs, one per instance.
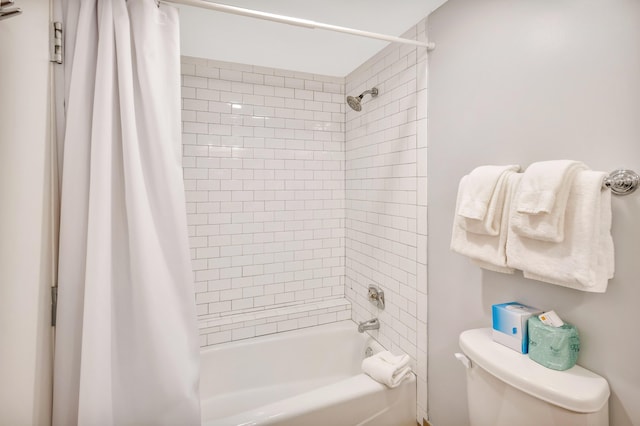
{"points": [[554, 347]]}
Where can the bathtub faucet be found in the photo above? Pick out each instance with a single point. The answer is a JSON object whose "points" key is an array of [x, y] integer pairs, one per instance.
{"points": [[372, 324]]}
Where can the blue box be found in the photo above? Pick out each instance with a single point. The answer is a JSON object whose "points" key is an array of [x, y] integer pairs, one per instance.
{"points": [[510, 325]]}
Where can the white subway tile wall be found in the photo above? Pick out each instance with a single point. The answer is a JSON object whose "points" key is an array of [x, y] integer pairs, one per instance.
{"points": [[386, 213], [263, 160], [275, 320]]}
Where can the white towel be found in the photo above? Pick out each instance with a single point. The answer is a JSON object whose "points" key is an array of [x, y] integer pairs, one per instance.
{"points": [[541, 184], [541, 200], [486, 251], [386, 368], [584, 260], [482, 197]]}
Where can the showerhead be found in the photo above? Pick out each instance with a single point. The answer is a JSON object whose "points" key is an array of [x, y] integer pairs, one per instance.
{"points": [[355, 101]]}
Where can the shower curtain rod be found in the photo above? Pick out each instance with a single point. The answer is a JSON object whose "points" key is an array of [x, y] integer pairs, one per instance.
{"points": [[305, 23]]}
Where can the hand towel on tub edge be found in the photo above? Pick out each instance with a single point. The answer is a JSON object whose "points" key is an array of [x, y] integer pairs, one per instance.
{"points": [[386, 368]]}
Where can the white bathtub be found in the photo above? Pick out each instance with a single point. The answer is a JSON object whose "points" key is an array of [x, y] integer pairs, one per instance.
{"points": [[303, 377]]}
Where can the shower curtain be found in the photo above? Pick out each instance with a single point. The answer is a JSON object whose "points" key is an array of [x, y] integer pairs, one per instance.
{"points": [[126, 343]]}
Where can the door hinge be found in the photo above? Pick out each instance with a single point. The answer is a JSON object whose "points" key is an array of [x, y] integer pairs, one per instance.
{"points": [[55, 43], [54, 305]]}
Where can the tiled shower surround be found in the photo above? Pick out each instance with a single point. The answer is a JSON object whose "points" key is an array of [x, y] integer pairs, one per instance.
{"points": [[386, 212], [263, 158], [296, 203]]}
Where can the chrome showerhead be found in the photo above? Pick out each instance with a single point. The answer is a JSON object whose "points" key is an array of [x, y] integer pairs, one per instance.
{"points": [[355, 101]]}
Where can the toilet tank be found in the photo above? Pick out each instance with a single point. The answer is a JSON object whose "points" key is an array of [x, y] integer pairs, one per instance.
{"points": [[508, 388]]}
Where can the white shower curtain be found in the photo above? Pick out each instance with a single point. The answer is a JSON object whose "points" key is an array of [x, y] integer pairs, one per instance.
{"points": [[126, 343]]}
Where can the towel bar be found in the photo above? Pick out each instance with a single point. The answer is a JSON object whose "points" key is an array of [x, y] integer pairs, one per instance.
{"points": [[622, 181]]}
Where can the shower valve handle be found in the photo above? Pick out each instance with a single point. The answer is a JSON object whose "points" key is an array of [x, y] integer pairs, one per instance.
{"points": [[376, 296]]}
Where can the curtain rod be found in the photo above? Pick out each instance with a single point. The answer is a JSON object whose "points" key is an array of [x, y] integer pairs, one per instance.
{"points": [[305, 23]]}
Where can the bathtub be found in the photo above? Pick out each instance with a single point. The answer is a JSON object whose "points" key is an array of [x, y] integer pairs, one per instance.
{"points": [[306, 377]]}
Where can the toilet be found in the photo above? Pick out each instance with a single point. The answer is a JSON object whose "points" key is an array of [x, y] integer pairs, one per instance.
{"points": [[505, 388]]}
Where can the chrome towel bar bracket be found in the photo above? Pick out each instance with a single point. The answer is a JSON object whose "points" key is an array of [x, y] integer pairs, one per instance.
{"points": [[622, 182]]}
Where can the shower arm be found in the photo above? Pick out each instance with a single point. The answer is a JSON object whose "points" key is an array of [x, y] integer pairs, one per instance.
{"points": [[373, 92]]}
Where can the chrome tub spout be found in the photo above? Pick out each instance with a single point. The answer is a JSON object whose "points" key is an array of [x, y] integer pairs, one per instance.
{"points": [[372, 324]]}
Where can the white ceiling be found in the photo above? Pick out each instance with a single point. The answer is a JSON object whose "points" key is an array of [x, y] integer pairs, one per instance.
{"points": [[232, 38]]}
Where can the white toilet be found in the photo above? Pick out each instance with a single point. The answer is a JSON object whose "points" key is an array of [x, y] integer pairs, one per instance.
{"points": [[505, 388]]}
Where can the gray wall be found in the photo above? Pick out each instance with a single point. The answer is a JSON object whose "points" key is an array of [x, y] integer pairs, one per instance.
{"points": [[518, 82]]}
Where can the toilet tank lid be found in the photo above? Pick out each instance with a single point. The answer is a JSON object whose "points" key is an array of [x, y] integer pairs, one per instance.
{"points": [[576, 389]]}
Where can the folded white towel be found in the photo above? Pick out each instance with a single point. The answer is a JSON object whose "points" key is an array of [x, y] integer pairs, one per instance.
{"points": [[541, 199], [387, 368], [482, 195], [542, 182], [584, 259], [487, 251]]}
